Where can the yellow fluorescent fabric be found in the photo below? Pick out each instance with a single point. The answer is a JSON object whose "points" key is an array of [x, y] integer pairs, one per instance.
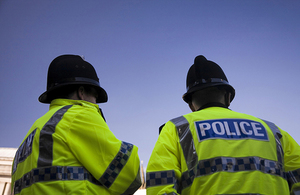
{"points": [[80, 139], [168, 155]]}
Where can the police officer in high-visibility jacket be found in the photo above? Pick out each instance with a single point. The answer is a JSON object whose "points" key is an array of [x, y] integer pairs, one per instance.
{"points": [[214, 150], [70, 150]]}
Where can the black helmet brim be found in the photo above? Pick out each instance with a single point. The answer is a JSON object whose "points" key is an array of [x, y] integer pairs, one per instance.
{"points": [[187, 97], [46, 96]]}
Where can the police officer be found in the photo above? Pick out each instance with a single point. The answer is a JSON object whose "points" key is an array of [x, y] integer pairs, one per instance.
{"points": [[70, 150], [214, 150]]}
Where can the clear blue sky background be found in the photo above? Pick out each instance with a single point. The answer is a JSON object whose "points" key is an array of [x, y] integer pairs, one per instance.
{"points": [[142, 51]]}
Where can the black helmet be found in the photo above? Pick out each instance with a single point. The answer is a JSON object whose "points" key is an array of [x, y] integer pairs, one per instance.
{"points": [[68, 70], [203, 74]]}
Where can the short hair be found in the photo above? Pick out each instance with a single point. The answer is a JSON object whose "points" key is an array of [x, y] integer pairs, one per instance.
{"points": [[209, 95], [67, 91]]}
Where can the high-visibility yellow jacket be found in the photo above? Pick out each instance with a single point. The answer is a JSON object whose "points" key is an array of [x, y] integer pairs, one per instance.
{"points": [[219, 151], [70, 150]]}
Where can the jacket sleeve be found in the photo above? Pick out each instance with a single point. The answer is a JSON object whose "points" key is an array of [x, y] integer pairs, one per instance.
{"points": [[163, 170], [291, 161], [115, 164]]}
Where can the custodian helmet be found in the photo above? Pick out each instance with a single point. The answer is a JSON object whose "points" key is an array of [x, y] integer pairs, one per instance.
{"points": [[66, 70], [203, 74]]}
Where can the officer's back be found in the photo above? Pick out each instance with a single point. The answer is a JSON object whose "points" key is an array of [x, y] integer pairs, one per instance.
{"points": [[214, 150], [70, 149]]}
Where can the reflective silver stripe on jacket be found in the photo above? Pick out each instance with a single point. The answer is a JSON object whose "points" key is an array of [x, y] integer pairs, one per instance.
{"points": [[53, 173], [116, 165], [186, 141], [277, 135], [46, 140]]}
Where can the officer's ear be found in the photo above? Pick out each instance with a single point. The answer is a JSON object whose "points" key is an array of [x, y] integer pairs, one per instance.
{"points": [[228, 99], [80, 93], [192, 107]]}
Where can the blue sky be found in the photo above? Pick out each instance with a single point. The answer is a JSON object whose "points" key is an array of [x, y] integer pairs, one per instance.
{"points": [[142, 51]]}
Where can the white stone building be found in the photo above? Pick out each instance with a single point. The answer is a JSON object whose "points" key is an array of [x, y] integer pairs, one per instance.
{"points": [[6, 159]]}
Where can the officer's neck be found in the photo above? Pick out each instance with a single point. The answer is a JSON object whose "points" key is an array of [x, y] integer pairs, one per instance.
{"points": [[223, 103], [212, 104]]}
